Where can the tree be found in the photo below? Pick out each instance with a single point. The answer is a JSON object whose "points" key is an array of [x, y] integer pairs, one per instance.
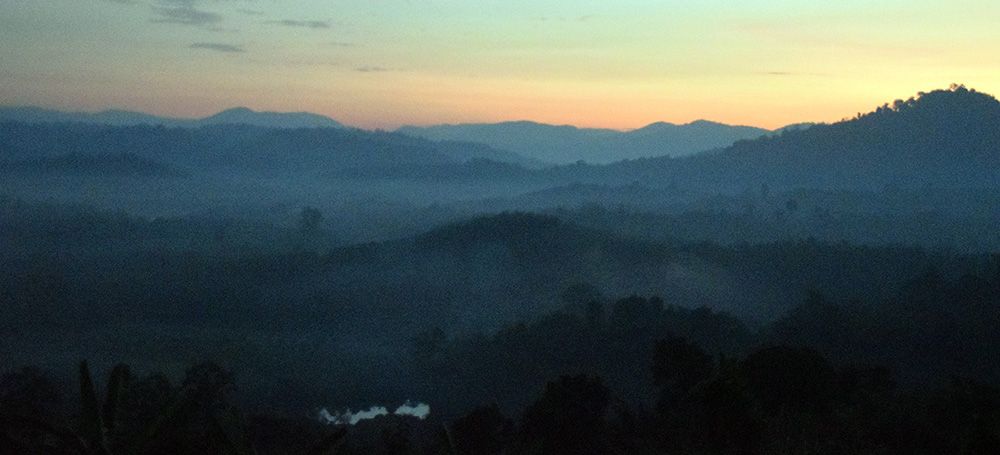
{"points": [[29, 392], [677, 366], [782, 379], [569, 418], [791, 206], [309, 220], [580, 294], [483, 431]]}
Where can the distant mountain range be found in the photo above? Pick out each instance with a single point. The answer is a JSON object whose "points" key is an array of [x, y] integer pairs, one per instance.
{"points": [[235, 116], [529, 144], [525, 143], [568, 144], [89, 148], [942, 139]]}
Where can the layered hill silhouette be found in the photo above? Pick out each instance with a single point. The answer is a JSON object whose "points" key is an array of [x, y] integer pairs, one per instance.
{"points": [[944, 138], [234, 116], [941, 139], [104, 165], [526, 143], [525, 260], [561, 144], [235, 146]]}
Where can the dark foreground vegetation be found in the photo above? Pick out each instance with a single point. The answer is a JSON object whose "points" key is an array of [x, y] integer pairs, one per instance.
{"points": [[910, 370], [826, 290], [773, 400]]}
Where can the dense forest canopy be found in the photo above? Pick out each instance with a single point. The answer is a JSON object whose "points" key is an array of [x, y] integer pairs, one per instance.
{"points": [[833, 288]]}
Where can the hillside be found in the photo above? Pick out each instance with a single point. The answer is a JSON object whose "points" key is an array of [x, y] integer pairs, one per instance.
{"points": [[567, 144], [123, 164], [245, 147], [234, 116], [945, 138]]}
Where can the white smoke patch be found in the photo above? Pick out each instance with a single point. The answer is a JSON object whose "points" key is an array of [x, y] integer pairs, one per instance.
{"points": [[418, 410], [347, 417]]}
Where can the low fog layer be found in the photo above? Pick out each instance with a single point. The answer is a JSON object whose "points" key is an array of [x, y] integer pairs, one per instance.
{"points": [[307, 269]]}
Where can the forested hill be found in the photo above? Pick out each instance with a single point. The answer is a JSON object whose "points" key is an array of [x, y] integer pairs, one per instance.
{"points": [[236, 147], [561, 144], [234, 116], [941, 139], [945, 138]]}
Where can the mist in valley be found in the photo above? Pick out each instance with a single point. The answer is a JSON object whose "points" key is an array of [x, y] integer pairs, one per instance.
{"points": [[261, 281]]}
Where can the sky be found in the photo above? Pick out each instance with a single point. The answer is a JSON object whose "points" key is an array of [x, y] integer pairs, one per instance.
{"points": [[385, 63]]}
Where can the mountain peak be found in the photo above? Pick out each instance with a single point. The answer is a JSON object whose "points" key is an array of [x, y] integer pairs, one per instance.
{"points": [[746, 132], [268, 119], [955, 102], [238, 110], [660, 124], [703, 122], [119, 117]]}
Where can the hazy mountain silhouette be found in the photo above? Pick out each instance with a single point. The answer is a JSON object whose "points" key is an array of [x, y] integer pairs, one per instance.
{"points": [[467, 152], [245, 116], [945, 138], [239, 115], [242, 146], [567, 144], [794, 127], [105, 165]]}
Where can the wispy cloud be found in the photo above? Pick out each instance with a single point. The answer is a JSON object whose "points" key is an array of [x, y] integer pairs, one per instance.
{"points": [[791, 73], [249, 12], [184, 14], [218, 47], [340, 44], [304, 24], [584, 18], [374, 69], [311, 62]]}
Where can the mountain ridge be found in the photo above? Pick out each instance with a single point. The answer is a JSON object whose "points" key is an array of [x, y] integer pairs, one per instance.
{"points": [[118, 117], [564, 144], [940, 138]]}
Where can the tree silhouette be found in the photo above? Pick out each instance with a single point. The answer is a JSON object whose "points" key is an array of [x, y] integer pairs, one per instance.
{"points": [[783, 379], [483, 431], [309, 220], [677, 366], [569, 418]]}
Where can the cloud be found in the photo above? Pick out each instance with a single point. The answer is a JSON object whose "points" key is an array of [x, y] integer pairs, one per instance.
{"points": [[295, 23], [791, 73], [218, 29], [340, 44], [184, 14], [250, 12], [372, 69], [306, 62], [218, 47], [584, 18]]}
